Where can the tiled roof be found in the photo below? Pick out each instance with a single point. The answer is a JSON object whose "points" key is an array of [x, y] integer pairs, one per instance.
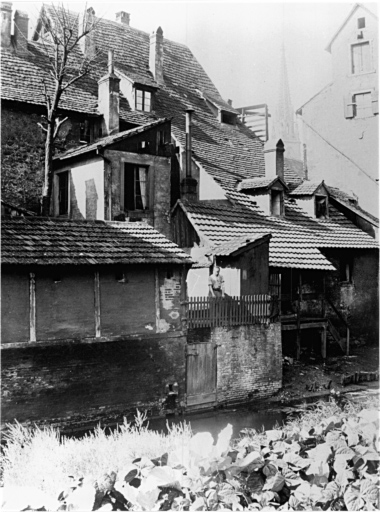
{"points": [[293, 170], [346, 200], [227, 153], [251, 183], [111, 139], [306, 188], [235, 244], [220, 103], [49, 241], [296, 237]]}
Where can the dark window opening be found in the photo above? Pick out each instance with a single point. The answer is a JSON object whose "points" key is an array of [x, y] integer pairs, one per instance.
{"points": [[85, 135], [361, 22], [135, 187], [120, 277], [63, 193], [143, 100], [161, 137], [169, 274], [321, 210], [277, 202], [228, 118]]}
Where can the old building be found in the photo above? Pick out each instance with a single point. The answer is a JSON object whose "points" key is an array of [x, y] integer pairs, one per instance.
{"points": [[88, 307], [147, 131], [340, 124]]}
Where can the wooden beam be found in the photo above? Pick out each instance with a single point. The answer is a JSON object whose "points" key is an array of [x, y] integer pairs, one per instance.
{"points": [[97, 304], [32, 307], [157, 299], [324, 342], [306, 325]]}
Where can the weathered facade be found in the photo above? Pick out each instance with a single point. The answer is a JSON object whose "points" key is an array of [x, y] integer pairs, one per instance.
{"points": [[340, 124], [82, 321]]}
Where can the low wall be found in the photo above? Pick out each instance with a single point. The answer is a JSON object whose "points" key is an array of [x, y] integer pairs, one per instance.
{"points": [[79, 385], [249, 360]]}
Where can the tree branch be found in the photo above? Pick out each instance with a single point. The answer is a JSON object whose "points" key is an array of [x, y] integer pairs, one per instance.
{"points": [[58, 125]]}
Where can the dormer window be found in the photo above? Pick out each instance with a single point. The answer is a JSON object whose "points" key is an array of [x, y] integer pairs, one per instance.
{"points": [[85, 133], [321, 207], [228, 118], [277, 202], [143, 100]]}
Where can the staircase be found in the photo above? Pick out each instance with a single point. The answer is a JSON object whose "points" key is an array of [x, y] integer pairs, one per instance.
{"points": [[333, 335]]}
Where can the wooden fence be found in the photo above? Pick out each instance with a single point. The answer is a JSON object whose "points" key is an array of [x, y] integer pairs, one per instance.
{"points": [[227, 311]]}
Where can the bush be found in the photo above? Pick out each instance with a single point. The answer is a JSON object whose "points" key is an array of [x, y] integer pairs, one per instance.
{"points": [[325, 459]]}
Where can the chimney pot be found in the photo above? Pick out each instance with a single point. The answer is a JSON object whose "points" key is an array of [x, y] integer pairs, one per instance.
{"points": [[123, 17], [109, 98], [110, 62], [274, 158], [6, 14], [229, 102], [156, 55], [87, 43], [21, 29]]}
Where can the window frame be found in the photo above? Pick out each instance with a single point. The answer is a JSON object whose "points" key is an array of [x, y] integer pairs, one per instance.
{"points": [[136, 167], [361, 42], [279, 193], [326, 199], [143, 93], [57, 209]]}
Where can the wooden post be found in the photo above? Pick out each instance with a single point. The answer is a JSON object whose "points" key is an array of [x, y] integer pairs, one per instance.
{"points": [[323, 298], [97, 305], [157, 299], [348, 342], [324, 342], [299, 316], [32, 307]]}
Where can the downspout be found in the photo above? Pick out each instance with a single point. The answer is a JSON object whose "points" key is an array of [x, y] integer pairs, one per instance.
{"points": [[189, 113], [107, 161]]}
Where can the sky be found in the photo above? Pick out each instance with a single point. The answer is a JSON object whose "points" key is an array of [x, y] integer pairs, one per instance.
{"points": [[238, 43]]}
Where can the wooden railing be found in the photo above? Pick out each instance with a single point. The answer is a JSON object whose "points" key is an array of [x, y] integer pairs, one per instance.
{"points": [[228, 311]]}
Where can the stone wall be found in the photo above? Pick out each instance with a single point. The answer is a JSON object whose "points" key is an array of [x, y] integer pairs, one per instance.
{"points": [[249, 360], [79, 385]]}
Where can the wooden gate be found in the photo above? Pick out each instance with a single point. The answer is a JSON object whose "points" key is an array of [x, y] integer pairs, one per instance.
{"points": [[201, 374]]}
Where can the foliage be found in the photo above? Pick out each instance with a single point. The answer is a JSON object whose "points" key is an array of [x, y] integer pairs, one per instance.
{"points": [[330, 465]]}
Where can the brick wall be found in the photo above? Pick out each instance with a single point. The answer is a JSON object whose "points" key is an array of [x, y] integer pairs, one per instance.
{"points": [[79, 384], [249, 360]]}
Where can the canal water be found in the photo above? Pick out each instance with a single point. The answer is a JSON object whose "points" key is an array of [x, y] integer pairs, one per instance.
{"points": [[215, 421]]}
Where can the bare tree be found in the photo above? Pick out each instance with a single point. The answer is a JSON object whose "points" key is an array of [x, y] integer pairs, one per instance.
{"points": [[61, 33]]}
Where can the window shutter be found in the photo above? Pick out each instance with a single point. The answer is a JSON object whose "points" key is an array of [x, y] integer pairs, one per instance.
{"points": [[375, 102], [348, 108]]}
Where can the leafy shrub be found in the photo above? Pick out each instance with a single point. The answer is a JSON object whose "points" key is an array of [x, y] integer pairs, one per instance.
{"points": [[319, 461]]}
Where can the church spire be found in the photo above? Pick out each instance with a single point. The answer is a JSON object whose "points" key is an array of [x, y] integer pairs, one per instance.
{"points": [[284, 123]]}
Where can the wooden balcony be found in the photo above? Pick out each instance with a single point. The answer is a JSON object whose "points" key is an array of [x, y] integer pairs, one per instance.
{"points": [[230, 311]]}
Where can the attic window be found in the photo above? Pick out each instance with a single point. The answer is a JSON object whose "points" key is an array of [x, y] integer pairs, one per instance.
{"points": [[143, 100], [277, 202], [84, 135], [361, 22], [321, 207], [228, 118]]}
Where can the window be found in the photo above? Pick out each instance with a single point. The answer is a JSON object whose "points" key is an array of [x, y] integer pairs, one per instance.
{"points": [[277, 202], [228, 118], [345, 269], [143, 100], [362, 105], [84, 135], [361, 22], [321, 207], [135, 187], [63, 193], [361, 58]]}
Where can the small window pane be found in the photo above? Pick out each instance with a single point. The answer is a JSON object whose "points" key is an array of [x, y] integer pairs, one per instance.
{"points": [[139, 99], [361, 22], [147, 101]]}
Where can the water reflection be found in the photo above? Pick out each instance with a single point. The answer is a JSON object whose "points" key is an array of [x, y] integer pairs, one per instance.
{"points": [[215, 421]]}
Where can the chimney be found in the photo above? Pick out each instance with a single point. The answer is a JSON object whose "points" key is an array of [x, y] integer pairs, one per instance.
{"points": [[304, 162], [108, 98], [189, 184], [156, 55], [87, 43], [229, 102], [6, 14], [123, 17], [274, 159], [21, 29]]}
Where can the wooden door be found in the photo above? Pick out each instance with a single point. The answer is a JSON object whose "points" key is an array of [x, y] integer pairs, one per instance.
{"points": [[201, 374]]}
